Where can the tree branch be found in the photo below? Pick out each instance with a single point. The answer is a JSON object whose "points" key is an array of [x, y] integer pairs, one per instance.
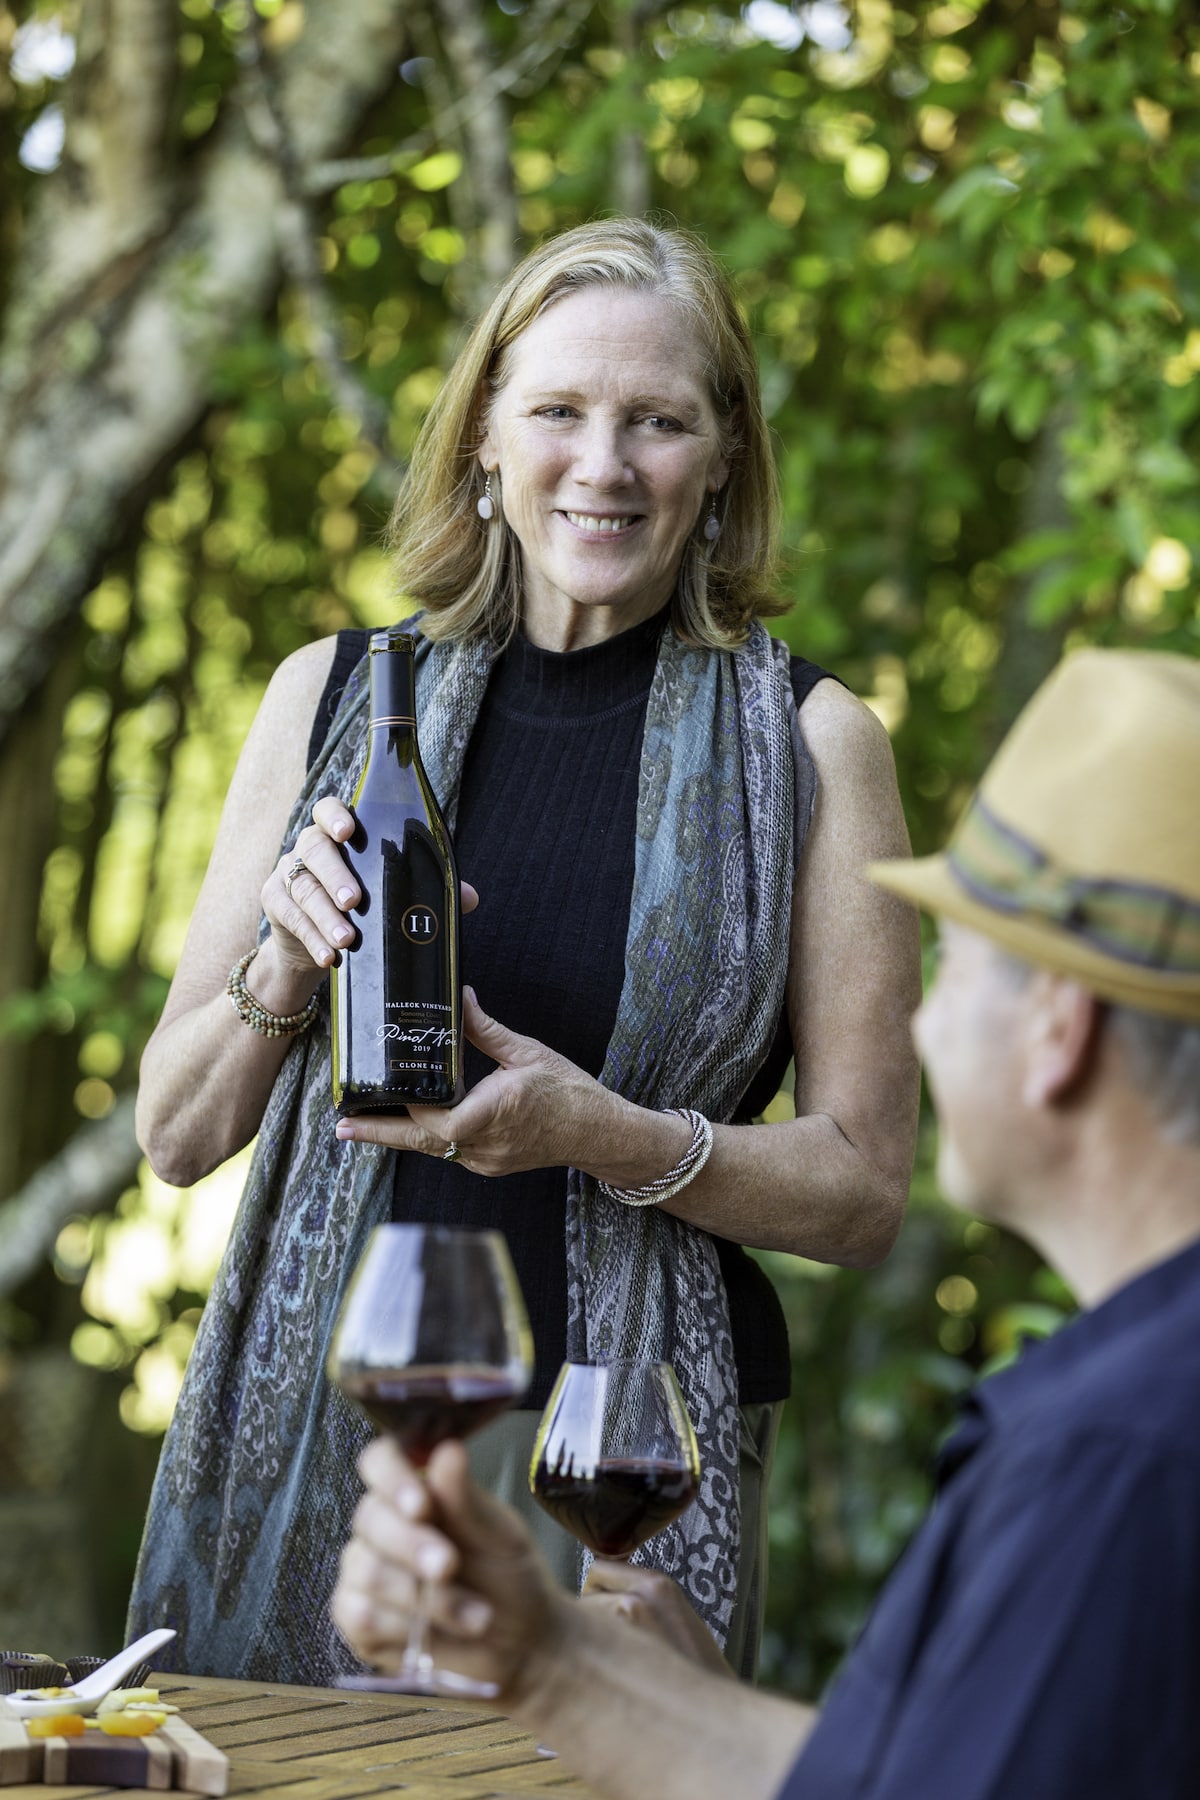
{"points": [[631, 170], [126, 55], [112, 191], [93, 405], [297, 238], [485, 132], [551, 28], [88, 1173], [459, 197]]}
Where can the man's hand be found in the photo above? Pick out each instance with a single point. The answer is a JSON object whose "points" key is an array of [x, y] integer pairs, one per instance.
{"points": [[656, 1604], [494, 1607], [624, 1711]]}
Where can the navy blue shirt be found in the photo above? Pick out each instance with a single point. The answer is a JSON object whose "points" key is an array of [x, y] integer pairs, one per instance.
{"points": [[1040, 1639]]}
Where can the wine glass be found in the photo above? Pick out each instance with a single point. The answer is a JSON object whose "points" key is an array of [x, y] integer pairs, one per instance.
{"points": [[432, 1341], [615, 1459]]}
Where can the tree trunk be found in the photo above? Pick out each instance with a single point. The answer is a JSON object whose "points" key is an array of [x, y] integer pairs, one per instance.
{"points": [[138, 271], [27, 827], [485, 135], [1030, 649]]}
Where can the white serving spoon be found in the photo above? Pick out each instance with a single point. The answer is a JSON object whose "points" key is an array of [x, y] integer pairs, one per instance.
{"points": [[87, 1694]]}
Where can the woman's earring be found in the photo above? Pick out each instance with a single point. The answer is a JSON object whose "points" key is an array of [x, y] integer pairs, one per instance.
{"points": [[712, 525], [485, 506]]}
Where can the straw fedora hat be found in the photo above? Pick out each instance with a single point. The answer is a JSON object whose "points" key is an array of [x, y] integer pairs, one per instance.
{"points": [[1080, 850]]}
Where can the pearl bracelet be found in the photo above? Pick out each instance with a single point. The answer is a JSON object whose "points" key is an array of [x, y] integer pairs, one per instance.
{"points": [[253, 1013], [689, 1166]]}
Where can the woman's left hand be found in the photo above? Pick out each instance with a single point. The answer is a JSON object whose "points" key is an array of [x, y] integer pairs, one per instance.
{"points": [[536, 1110]]}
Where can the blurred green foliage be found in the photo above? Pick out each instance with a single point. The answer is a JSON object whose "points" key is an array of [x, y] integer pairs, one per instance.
{"points": [[966, 239]]}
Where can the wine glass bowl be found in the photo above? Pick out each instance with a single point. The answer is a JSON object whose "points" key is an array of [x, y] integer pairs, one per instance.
{"points": [[615, 1459], [432, 1341]]}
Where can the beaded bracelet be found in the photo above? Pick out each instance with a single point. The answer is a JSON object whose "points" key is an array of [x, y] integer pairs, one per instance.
{"points": [[688, 1167], [254, 1014]]}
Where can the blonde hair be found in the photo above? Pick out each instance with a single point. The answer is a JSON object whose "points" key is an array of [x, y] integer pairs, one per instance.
{"points": [[465, 572]]}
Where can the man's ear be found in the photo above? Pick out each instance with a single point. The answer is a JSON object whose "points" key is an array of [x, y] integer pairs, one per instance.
{"points": [[1063, 1028]]}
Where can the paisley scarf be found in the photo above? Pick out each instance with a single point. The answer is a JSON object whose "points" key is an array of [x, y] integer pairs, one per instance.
{"points": [[257, 1484]]}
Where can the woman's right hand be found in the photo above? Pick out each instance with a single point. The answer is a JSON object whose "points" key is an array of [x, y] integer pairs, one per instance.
{"points": [[309, 924]]}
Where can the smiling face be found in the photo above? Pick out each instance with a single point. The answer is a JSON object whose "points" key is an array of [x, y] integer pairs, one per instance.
{"points": [[607, 445]]}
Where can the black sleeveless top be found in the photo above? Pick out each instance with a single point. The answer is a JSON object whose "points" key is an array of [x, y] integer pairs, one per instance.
{"points": [[546, 834]]}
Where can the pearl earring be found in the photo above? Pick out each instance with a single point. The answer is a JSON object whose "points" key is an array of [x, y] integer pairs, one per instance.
{"points": [[712, 525], [485, 506]]}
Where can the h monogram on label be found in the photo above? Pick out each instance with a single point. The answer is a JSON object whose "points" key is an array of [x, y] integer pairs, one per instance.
{"points": [[419, 924]]}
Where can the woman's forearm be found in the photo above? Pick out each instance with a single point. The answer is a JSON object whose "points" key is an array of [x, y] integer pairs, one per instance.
{"points": [[799, 1185], [206, 1075]]}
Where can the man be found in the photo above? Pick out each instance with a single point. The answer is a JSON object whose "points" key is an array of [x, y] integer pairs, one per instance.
{"points": [[1041, 1637]]}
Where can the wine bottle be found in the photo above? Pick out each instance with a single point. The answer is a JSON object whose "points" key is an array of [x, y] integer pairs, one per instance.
{"points": [[397, 994]]}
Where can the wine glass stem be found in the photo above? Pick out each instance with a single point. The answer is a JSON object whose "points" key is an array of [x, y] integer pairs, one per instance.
{"points": [[417, 1659]]}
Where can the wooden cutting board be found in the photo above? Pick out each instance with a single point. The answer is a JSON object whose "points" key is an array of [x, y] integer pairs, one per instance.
{"points": [[174, 1756]]}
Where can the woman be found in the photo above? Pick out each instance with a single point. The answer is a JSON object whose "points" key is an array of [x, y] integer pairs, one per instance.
{"points": [[631, 768]]}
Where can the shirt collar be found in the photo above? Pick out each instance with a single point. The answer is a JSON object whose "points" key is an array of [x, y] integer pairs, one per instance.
{"points": [[1156, 1291]]}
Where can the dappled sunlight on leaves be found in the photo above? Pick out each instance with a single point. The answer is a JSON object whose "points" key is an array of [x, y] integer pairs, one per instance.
{"points": [[148, 1265]]}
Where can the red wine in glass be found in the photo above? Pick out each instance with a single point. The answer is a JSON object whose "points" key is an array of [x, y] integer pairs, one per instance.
{"points": [[421, 1408], [432, 1342], [615, 1459], [619, 1503]]}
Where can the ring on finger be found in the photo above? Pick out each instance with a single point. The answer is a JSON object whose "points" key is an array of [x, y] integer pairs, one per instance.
{"points": [[291, 875], [452, 1152]]}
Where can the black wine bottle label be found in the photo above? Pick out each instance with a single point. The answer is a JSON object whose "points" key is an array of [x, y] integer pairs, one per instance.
{"points": [[397, 1007]]}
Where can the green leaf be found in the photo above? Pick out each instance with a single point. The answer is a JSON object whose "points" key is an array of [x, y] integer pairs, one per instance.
{"points": [[1135, 527], [1029, 405], [982, 193], [1040, 547], [1167, 466], [1054, 594]]}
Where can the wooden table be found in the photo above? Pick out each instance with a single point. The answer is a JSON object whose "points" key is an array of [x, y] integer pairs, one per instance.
{"points": [[299, 1743]]}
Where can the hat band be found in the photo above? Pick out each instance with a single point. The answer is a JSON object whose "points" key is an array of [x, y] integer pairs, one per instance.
{"points": [[1147, 927]]}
